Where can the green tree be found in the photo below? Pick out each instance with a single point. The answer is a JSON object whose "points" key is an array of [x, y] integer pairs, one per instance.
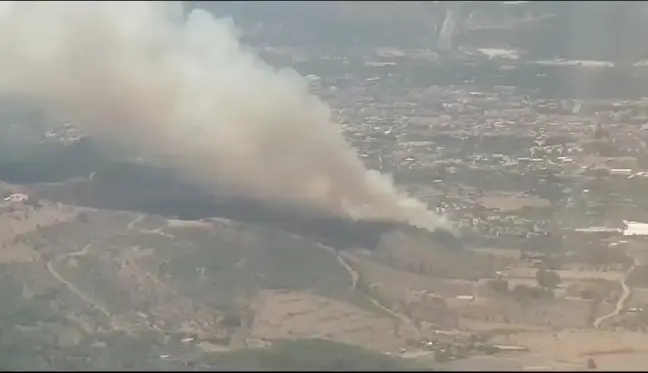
{"points": [[548, 280], [499, 285]]}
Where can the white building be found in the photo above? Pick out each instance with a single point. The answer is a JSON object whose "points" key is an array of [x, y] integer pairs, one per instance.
{"points": [[18, 197], [598, 230], [621, 171], [635, 228]]}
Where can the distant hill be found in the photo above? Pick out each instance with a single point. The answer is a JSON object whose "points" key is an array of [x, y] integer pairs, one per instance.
{"points": [[574, 30]]}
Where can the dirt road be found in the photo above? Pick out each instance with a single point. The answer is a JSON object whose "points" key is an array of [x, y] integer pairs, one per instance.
{"points": [[74, 289], [352, 273], [141, 217], [622, 300], [355, 276]]}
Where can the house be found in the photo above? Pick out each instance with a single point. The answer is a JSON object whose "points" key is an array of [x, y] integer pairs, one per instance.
{"points": [[621, 171], [18, 197], [510, 348]]}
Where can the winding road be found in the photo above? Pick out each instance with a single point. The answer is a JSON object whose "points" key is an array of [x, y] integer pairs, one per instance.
{"points": [[74, 289], [141, 217], [83, 251], [621, 303], [355, 276], [352, 273]]}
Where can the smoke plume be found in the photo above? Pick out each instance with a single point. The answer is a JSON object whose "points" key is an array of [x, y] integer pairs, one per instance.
{"points": [[184, 92]]}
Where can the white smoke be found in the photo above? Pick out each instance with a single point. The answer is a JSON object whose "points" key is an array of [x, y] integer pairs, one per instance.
{"points": [[187, 94], [448, 27]]}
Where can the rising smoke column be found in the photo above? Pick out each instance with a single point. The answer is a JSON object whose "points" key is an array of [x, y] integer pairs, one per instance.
{"points": [[185, 93], [446, 33]]}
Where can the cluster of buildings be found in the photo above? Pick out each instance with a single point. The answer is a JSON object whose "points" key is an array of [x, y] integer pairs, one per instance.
{"points": [[519, 169], [552, 164], [62, 133]]}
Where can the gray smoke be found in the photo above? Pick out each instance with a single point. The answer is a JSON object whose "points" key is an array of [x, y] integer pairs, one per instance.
{"points": [[184, 92]]}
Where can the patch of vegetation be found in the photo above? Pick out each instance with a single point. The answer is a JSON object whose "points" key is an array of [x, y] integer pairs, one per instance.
{"points": [[523, 292], [599, 257], [119, 351], [18, 350], [499, 285], [308, 355], [638, 277], [547, 280]]}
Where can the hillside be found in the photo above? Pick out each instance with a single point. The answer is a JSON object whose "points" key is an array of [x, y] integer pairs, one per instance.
{"points": [[134, 257], [81, 285]]}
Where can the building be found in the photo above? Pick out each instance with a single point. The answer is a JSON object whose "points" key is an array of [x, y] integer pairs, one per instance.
{"points": [[634, 228], [18, 197], [621, 171], [601, 232]]}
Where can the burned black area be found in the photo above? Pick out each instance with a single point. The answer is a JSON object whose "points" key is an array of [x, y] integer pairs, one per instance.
{"points": [[337, 232], [334, 231], [187, 202], [130, 186], [52, 163]]}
